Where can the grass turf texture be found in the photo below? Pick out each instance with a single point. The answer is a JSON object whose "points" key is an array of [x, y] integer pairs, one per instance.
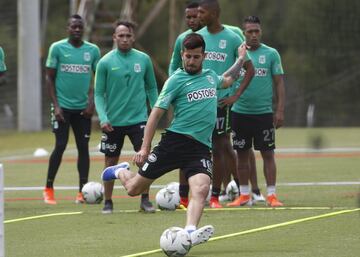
{"points": [[120, 234]]}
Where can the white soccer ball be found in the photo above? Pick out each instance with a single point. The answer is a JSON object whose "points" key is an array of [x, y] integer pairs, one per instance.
{"points": [[167, 199], [93, 192], [232, 190], [175, 242], [174, 186]]}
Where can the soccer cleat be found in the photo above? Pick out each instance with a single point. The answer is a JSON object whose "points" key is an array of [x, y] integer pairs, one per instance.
{"points": [[257, 198], [48, 195], [146, 206], [109, 172], [214, 203], [79, 198], [272, 201], [241, 201], [184, 201], [201, 235], [108, 207]]}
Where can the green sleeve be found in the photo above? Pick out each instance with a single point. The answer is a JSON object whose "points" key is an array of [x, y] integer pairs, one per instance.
{"points": [[276, 66], [150, 83], [100, 91], [96, 58], [167, 94], [175, 61], [52, 59], [2, 60]]}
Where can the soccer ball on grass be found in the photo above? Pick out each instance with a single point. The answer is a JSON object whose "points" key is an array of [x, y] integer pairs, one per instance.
{"points": [[93, 192], [175, 242], [167, 199]]}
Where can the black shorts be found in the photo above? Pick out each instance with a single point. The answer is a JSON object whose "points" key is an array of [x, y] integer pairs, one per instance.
{"points": [[80, 125], [257, 128], [112, 143], [223, 121], [177, 151]]}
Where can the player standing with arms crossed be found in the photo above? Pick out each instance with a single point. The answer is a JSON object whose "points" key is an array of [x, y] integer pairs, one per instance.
{"points": [[70, 65]]}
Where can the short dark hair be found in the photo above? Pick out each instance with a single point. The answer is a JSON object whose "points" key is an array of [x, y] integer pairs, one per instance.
{"points": [[192, 41], [213, 5], [192, 5], [129, 24], [75, 17], [252, 19]]}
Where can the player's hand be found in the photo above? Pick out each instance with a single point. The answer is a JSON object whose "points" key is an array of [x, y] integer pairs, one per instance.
{"points": [[278, 119], [242, 50], [140, 157], [106, 127], [228, 101], [59, 115], [88, 112]]}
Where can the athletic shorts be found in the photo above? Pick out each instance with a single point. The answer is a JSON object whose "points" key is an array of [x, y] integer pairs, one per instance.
{"points": [[249, 128], [112, 142], [80, 125], [177, 151], [223, 121]]}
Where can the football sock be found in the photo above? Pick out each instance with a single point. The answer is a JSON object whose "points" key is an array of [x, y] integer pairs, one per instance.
{"points": [[144, 196], [190, 228], [237, 182], [184, 190], [244, 190], [270, 190], [215, 192]]}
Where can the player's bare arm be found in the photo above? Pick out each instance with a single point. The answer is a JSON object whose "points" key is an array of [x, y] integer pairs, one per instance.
{"points": [[233, 72], [90, 108], [149, 132], [50, 82], [280, 100]]}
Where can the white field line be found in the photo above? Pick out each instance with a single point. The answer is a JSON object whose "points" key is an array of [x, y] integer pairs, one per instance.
{"points": [[95, 152], [339, 183]]}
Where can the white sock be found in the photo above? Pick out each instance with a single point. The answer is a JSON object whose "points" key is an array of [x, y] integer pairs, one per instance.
{"points": [[244, 190], [271, 190], [190, 228]]}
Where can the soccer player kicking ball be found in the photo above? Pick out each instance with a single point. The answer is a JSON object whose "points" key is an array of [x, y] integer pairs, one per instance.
{"points": [[187, 142]]}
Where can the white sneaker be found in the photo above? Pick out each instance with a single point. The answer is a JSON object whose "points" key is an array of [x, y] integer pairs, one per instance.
{"points": [[258, 198], [201, 235]]}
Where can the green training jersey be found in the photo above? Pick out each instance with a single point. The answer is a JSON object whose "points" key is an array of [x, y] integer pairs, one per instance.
{"points": [[74, 69], [2, 60], [236, 30], [195, 103], [122, 82], [257, 98], [221, 51]]}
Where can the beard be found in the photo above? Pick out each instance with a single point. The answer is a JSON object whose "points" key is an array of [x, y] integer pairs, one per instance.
{"points": [[193, 70]]}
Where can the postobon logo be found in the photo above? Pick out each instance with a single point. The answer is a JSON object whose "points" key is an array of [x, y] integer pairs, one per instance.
{"points": [[215, 56], [201, 94], [260, 72], [75, 68]]}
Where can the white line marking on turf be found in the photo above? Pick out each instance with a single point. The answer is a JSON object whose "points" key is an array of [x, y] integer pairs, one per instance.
{"points": [[338, 183], [292, 222]]}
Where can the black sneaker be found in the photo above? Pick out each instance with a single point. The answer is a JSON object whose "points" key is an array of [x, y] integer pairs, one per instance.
{"points": [[108, 207], [146, 206]]}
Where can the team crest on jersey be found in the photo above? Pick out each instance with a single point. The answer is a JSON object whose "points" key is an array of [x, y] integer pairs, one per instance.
{"points": [[152, 158], [210, 79], [262, 59], [222, 44], [87, 56], [137, 67]]}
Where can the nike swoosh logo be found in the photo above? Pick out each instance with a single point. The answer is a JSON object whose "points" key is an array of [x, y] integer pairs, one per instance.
{"points": [[188, 83], [115, 68], [272, 144], [67, 55]]}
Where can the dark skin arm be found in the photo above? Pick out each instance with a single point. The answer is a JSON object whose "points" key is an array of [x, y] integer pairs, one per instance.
{"points": [[50, 83], [248, 66], [89, 111], [280, 100]]}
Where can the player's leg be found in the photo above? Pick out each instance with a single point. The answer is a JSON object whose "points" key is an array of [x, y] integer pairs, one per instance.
{"points": [[82, 128], [111, 145], [218, 166], [61, 132], [242, 141], [265, 142], [183, 189], [136, 134], [256, 194]]}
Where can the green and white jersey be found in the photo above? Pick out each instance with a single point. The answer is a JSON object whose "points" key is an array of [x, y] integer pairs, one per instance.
{"points": [[195, 103], [236, 30], [176, 61], [122, 82], [257, 98], [221, 51], [74, 69], [2, 60]]}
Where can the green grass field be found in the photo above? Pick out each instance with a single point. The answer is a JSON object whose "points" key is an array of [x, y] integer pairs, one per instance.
{"points": [[81, 230]]}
